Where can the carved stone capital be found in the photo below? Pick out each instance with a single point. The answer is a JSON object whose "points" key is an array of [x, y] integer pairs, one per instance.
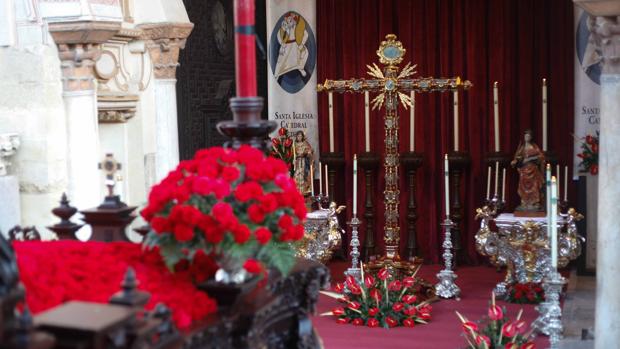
{"points": [[116, 108], [606, 34], [79, 46], [164, 41]]}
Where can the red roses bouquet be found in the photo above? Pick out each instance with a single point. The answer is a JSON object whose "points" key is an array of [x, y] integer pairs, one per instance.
{"points": [[589, 154], [379, 301], [497, 331], [236, 206], [282, 147], [528, 293]]}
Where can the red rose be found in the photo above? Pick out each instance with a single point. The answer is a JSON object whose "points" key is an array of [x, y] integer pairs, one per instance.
{"points": [[183, 232], [160, 224], [373, 311], [221, 188], [242, 234], [395, 285], [409, 323], [397, 307], [275, 142], [408, 298], [221, 209], [253, 266], [342, 320], [372, 322], [247, 191], [354, 305], [369, 281], [285, 222], [282, 131], [256, 214], [469, 326], [383, 274], [481, 338], [358, 322], [391, 322], [495, 313], [268, 203], [410, 311], [509, 330], [263, 235], [338, 311], [408, 281]]}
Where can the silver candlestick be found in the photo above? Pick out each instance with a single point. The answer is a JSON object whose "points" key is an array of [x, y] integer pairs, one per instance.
{"points": [[354, 270], [549, 321], [446, 288]]}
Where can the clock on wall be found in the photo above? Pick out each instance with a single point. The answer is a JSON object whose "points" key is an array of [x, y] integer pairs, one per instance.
{"points": [[222, 28]]}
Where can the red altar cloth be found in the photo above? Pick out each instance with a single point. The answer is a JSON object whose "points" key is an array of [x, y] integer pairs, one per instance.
{"points": [[59, 271]]}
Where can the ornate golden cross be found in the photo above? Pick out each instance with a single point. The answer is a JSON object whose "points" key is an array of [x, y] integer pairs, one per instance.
{"points": [[392, 85]]}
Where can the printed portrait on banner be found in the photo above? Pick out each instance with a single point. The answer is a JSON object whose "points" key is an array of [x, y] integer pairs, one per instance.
{"points": [[292, 52]]}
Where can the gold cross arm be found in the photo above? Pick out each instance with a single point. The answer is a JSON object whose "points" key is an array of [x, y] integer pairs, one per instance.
{"points": [[391, 85]]}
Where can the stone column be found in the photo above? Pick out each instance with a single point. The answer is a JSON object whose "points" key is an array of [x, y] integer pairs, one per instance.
{"points": [[605, 29], [79, 46], [164, 41]]}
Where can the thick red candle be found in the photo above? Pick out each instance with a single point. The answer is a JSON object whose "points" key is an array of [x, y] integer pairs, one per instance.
{"points": [[245, 48]]}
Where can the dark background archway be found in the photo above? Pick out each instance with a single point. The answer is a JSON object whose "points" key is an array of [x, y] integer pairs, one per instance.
{"points": [[206, 75]]}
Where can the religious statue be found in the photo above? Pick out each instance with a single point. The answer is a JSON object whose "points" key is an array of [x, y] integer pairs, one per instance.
{"points": [[292, 38], [303, 158], [530, 161]]}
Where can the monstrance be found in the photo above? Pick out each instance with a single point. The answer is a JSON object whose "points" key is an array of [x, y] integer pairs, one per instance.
{"points": [[393, 86]]}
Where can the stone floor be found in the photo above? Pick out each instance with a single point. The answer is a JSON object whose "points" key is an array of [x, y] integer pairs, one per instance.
{"points": [[578, 313]]}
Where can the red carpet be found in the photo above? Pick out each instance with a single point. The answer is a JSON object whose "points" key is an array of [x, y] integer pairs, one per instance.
{"points": [[444, 330]]}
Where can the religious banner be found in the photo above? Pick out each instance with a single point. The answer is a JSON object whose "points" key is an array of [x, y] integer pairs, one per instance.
{"points": [[291, 75], [587, 113]]}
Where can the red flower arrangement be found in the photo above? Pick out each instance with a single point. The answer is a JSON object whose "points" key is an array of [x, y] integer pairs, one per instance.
{"points": [[528, 293], [589, 154], [379, 301], [282, 147], [59, 271], [233, 205], [497, 331]]}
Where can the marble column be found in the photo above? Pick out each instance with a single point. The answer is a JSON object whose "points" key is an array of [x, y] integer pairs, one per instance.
{"points": [[605, 29], [164, 41], [79, 46]]}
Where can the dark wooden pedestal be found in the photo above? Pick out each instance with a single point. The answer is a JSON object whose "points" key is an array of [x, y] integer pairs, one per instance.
{"points": [[411, 162], [109, 224], [369, 162], [459, 162]]}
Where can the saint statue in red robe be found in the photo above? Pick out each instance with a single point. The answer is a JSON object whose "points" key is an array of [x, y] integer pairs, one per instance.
{"points": [[530, 161]]}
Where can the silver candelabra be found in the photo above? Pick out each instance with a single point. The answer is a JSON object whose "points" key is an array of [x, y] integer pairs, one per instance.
{"points": [[354, 270], [446, 288], [549, 321]]}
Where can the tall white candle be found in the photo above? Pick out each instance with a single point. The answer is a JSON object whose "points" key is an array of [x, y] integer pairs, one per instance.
{"points": [[565, 183], [330, 97], [412, 123], [557, 174], [367, 120], [496, 114], [503, 184], [554, 223], [548, 198], [496, 177], [312, 178], [544, 113], [446, 176], [489, 183], [326, 182], [456, 120], [320, 179], [354, 184]]}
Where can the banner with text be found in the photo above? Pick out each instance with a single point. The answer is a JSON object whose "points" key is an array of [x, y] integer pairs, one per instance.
{"points": [[291, 55], [587, 93]]}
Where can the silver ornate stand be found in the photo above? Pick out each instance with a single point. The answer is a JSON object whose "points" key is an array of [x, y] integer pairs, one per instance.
{"points": [[446, 288], [354, 270], [549, 321]]}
